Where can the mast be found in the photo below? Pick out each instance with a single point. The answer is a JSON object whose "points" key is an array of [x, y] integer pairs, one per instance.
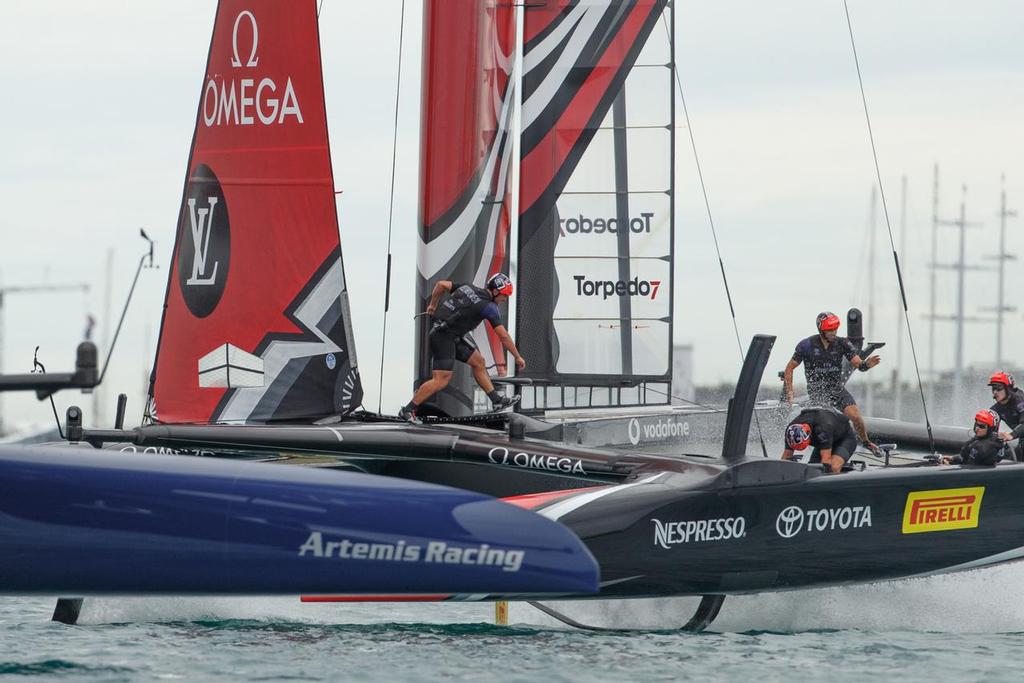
{"points": [[468, 103], [933, 266], [960, 317], [99, 394], [1001, 308]]}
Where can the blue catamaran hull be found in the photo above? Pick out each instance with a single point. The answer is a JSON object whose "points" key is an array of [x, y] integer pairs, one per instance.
{"points": [[79, 522]]}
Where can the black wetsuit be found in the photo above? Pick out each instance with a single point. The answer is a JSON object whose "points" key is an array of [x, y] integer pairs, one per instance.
{"points": [[460, 312], [1012, 415], [824, 370], [985, 452], [829, 429]]}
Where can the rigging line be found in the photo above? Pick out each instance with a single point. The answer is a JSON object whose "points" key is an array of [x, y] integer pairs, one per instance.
{"points": [[686, 400], [319, 6], [711, 223], [888, 225], [391, 209]]}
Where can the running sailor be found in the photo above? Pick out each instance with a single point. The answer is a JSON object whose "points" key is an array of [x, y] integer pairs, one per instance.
{"points": [[822, 356]]}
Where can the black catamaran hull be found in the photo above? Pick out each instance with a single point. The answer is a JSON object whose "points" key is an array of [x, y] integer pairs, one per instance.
{"points": [[735, 536]]}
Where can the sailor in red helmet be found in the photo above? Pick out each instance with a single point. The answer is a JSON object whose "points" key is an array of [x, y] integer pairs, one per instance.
{"points": [[828, 431], [1009, 405], [822, 356], [455, 317], [986, 448]]}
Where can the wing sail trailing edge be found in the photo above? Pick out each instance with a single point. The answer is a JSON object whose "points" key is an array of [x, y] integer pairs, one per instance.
{"points": [[256, 325], [595, 243]]}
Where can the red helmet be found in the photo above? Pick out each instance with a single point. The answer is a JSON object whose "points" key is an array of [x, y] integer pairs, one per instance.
{"points": [[1004, 378], [987, 417], [500, 283], [798, 436], [828, 322]]}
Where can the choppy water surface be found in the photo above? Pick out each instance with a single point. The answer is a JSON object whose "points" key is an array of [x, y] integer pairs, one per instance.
{"points": [[966, 627]]}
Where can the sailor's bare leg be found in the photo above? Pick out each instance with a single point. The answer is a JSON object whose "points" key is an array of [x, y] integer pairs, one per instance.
{"points": [[853, 413], [436, 383], [476, 364]]}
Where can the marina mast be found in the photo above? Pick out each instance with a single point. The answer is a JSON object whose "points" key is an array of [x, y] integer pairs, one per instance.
{"points": [[959, 317], [931, 298], [897, 380], [1001, 307]]}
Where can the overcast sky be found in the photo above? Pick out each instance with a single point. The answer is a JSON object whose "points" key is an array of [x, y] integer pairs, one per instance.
{"points": [[98, 109]]}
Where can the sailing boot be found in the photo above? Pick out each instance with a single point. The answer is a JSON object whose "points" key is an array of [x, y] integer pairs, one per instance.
{"points": [[505, 402]]}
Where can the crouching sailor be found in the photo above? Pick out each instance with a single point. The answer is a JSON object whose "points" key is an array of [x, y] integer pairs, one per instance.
{"points": [[986, 448], [1009, 405], [464, 307], [829, 432]]}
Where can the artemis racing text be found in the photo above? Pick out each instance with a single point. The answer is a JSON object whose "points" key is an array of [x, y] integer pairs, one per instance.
{"points": [[607, 288], [437, 552], [696, 531], [501, 456]]}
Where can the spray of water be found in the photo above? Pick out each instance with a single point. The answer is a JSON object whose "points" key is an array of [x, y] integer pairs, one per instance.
{"points": [[982, 601]]}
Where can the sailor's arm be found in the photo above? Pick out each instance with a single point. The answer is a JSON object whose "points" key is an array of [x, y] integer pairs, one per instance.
{"points": [[964, 456], [506, 341], [787, 380], [787, 454], [1014, 433], [865, 365], [440, 289]]}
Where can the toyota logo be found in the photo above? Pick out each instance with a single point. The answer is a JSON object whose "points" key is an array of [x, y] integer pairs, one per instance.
{"points": [[790, 521]]}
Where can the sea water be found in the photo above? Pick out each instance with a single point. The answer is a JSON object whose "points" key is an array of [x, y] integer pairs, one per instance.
{"points": [[961, 627]]}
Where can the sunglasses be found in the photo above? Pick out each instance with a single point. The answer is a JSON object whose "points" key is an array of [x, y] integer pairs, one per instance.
{"points": [[980, 424]]}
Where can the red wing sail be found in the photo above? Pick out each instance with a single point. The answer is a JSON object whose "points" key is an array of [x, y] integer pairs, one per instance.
{"points": [[594, 301], [256, 324], [465, 166]]}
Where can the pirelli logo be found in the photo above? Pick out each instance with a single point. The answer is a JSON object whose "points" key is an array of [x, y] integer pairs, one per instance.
{"points": [[942, 510]]}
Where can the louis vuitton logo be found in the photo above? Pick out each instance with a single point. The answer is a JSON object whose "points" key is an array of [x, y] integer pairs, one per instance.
{"points": [[202, 226]]}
